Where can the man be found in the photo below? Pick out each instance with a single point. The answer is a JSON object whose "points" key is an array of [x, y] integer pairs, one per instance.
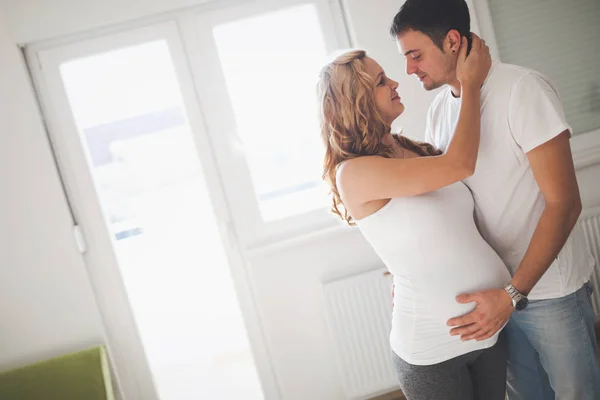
{"points": [[527, 204]]}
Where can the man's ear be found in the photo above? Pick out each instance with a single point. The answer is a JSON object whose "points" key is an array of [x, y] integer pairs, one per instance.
{"points": [[452, 41]]}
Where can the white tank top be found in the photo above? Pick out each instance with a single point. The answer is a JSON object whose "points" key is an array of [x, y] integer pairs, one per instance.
{"points": [[433, 249]]}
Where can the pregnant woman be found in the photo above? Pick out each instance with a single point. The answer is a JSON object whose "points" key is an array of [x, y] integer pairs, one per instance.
{"points": [[410, 204]]}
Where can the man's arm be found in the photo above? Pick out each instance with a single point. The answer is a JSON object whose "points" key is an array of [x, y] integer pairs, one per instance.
{"points": [[552, 166]]}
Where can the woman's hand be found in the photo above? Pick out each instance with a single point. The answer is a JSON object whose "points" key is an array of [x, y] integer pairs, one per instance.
{"points": [[472, 69]]}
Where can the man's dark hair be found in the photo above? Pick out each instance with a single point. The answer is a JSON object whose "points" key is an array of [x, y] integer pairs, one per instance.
{"points": [[434, 18]]}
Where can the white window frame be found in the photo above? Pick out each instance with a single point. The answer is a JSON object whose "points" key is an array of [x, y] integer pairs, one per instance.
{"points": [[585, 146], [255, 234]]}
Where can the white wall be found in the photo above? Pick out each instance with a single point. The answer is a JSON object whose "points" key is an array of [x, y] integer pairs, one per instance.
{"points": [[46, 302], [589, 185], [47, 288], [34, 20]]}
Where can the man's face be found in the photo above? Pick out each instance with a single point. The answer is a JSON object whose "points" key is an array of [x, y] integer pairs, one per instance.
{"points": [[425, 60]]}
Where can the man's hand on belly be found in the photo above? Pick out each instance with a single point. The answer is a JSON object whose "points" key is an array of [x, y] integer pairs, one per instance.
{"points": [[492, 311]]}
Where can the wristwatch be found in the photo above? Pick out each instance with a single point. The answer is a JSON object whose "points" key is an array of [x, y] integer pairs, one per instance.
{"points": [[519, 300]]}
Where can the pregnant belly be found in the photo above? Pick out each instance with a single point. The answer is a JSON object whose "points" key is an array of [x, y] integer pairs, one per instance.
{"points": [[429, 293]]}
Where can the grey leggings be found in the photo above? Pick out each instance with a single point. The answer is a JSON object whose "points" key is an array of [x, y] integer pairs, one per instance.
{"points": [[479, 375]]}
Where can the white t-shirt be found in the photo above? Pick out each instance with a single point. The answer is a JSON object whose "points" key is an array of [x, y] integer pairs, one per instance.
{"points": [[520, 110]]}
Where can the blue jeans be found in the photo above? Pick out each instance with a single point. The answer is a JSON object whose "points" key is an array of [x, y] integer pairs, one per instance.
{"points": [[552, 350]]}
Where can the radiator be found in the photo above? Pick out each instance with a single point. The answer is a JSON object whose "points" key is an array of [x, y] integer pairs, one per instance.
{"points": [[590, 224], [358, 310]]}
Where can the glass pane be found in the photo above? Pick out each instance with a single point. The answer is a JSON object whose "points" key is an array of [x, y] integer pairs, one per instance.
{"points": [[131, 117], [570, 59], [271, 63]]}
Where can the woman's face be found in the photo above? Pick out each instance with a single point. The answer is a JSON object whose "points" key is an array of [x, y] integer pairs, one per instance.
{"points": [[387, 99]]}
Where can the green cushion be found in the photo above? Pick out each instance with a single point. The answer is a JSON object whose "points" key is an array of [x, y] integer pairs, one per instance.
{"points": [[78, 376]]}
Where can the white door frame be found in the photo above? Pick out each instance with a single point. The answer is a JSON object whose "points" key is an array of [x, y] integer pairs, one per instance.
{"points": [[134, 378]]}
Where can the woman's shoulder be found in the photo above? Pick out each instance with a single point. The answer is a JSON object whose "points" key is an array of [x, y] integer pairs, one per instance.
{"points": [[357, 166]]}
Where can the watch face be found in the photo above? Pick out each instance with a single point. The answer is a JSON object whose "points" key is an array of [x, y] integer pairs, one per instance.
{"points": [[522, 304]]}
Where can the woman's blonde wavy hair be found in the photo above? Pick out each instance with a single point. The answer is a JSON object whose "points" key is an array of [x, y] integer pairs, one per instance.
{"points": [[351, 125]]}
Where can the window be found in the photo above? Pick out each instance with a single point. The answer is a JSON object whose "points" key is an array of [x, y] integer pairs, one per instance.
{"points": [[136, 133], [257, 77], [270, 63], [254, 73], [560, 39]]}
